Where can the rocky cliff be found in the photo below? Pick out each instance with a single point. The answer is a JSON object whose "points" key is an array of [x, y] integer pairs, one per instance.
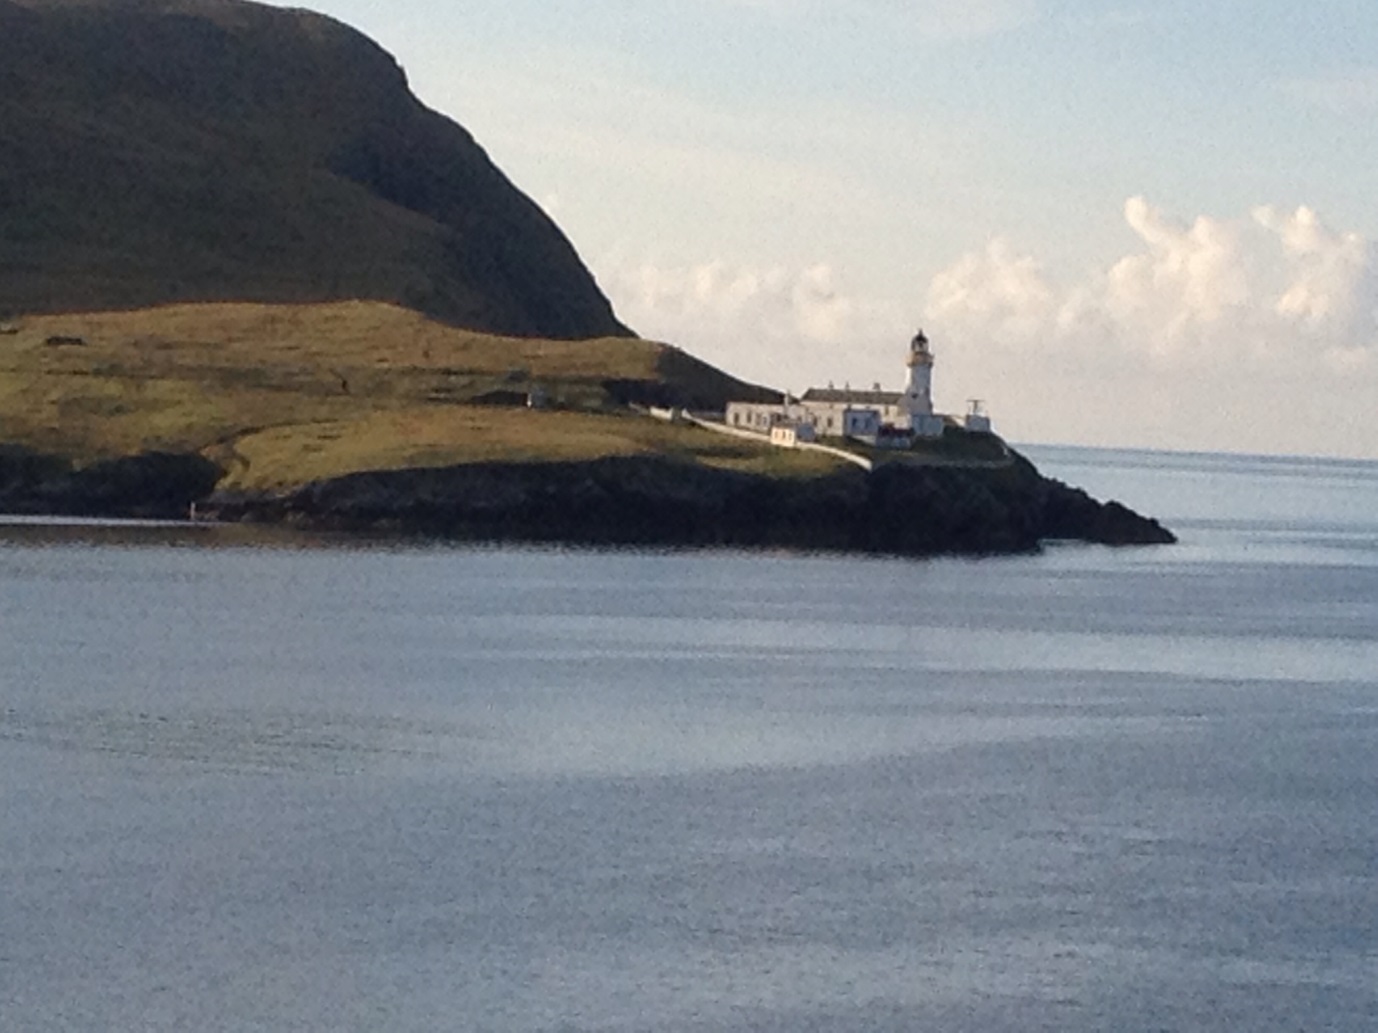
{"points": [[631, 500], [651, 500], [154, 151], [154, 485]]}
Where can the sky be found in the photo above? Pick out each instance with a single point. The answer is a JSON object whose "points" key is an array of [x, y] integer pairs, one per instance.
{"points": [[1121, 223]]}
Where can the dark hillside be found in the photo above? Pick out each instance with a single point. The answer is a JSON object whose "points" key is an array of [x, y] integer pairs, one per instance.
{"points": [[154, 151]]}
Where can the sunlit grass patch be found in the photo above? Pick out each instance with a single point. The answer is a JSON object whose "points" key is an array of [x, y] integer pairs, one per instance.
{"points": [[282, 395]]}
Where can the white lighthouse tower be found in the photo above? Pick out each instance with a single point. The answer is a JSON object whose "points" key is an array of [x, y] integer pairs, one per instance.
{"points": [[917, 402]]}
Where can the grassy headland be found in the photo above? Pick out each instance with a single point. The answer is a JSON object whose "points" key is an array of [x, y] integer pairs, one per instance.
{"points": [[282, 395], [359, 415]]}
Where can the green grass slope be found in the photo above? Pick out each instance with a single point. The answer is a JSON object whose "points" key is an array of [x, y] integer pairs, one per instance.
{"points": [[281, 395]]}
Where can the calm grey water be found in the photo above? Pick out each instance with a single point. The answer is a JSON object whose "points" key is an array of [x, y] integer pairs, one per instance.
{"points": [[255, 783]]}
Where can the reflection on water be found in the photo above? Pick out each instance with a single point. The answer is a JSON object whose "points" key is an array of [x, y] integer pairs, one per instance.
{"points": [[259, 779], [54, 531], [234, 742]]}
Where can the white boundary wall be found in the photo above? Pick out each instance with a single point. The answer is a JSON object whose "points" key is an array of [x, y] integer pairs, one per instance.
{"points": [[751, 435]]}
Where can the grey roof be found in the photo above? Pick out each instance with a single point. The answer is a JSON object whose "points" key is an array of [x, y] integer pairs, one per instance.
{"points": [[828, 394]]}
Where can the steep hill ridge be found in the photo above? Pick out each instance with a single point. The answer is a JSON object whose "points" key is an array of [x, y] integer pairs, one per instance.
{"points": [[156, 151]]}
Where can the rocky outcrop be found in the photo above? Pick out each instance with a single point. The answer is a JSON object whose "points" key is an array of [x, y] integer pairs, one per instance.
{"points": [[898, 509], [158, 151], [1070, 513], [23, 470], [154, 485]]}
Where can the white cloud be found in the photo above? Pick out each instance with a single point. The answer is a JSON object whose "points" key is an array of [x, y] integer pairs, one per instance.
{"points": [[1007, 294], [1333, 288], [789, 327], [1258, 291], [1255, 333]]}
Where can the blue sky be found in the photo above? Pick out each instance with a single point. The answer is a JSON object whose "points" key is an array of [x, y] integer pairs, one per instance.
{"points": [[1122, 223]]}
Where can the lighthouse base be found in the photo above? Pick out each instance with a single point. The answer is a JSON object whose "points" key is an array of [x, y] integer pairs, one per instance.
{"points": [[926, 425]]}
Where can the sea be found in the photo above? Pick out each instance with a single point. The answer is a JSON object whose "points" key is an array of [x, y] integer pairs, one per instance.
{"points": [[265, 780]]}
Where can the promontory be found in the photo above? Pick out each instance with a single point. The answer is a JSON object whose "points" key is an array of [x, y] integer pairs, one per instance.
{"points": [[245, 273]]}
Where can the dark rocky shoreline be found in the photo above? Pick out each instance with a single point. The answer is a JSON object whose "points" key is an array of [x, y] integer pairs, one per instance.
{"points": [[150, 486], [898, 509]]}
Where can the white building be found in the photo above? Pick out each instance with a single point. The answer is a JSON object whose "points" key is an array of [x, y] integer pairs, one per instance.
{"points": [[977, 419], [855, 414], [788, 434], [848, 413]]}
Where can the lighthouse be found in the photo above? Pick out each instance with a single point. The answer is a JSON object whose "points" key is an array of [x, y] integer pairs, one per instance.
{"points": [[918, 395], [916, 404]]}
